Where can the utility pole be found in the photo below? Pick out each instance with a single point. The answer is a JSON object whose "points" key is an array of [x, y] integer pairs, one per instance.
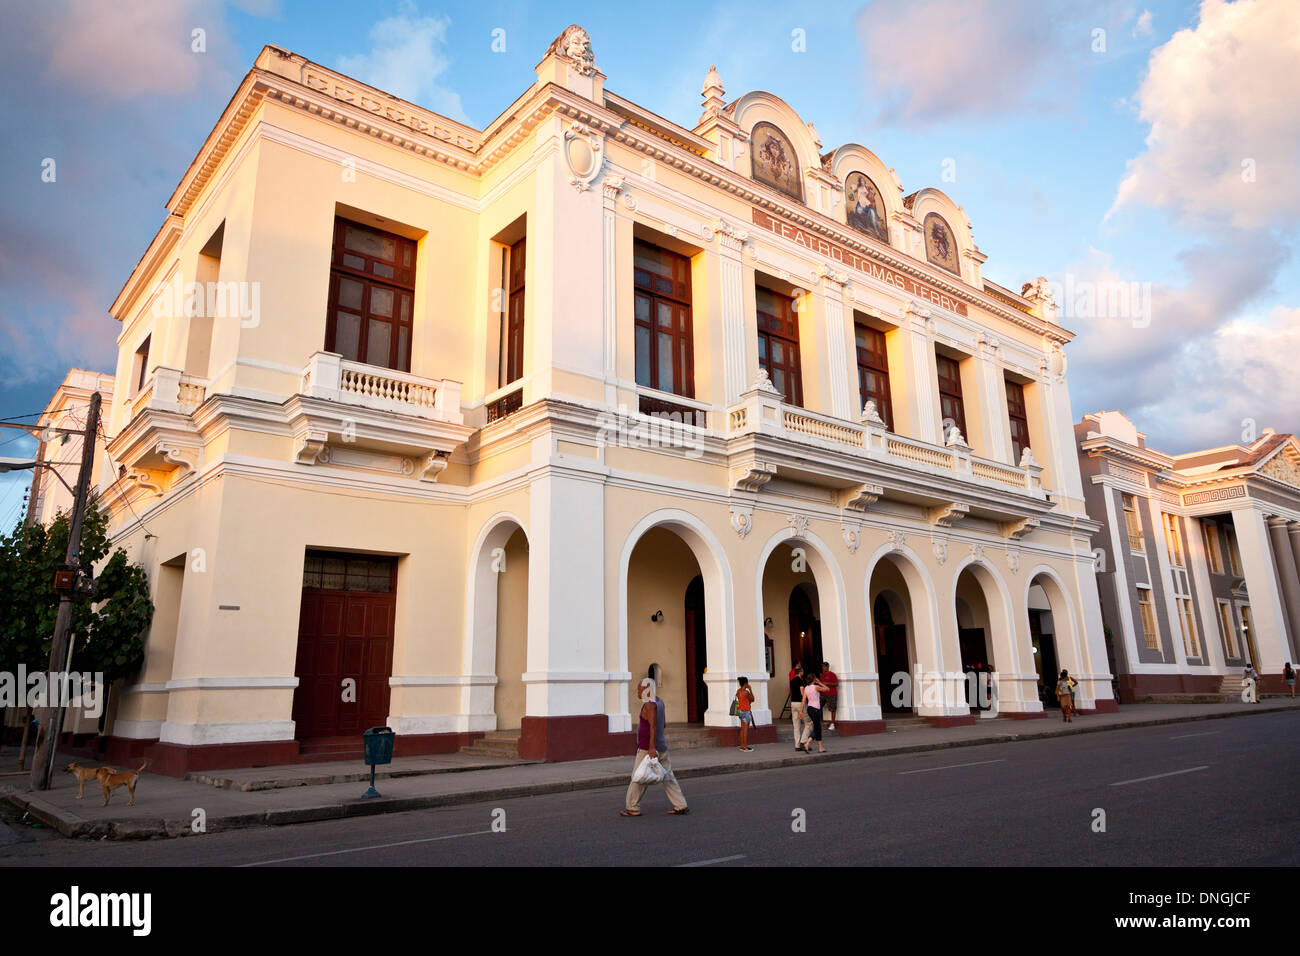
{"points": [[51, 717]]}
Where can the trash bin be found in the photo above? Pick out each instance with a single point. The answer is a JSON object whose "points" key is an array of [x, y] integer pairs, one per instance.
{"points": [[377, 747]]}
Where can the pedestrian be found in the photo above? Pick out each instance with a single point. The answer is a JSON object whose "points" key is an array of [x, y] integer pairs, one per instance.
{"points": [[1065, 696], [1288, 675], [651, 742], [1074, 697], [812, 691], [744, 700], [798, 716], [1250, 680], [832, 682]]}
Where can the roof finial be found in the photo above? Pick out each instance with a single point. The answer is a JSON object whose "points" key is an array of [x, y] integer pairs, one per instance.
{"points": [[713, 93]]}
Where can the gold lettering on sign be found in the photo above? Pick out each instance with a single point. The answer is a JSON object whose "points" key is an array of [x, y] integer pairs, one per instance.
{"points": [[846, 256]]}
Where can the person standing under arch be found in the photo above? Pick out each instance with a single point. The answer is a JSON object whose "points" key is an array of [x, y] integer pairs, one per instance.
{"points": [[744, 701], [1065, 696]]}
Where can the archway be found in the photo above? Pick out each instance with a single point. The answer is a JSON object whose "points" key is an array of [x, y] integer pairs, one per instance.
{"points": [[894, 655], [1042, 631], [661, 557], [805, 627], [496, 631], [975, 637], [933, 690], [697, 651], [800, 607], [1054, 634], [659, 575]]}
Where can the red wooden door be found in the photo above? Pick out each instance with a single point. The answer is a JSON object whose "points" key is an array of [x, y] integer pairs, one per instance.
{"points": [[341, 635]]}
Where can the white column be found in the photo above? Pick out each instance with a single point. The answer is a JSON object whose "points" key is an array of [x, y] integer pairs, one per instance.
{"points": [[1119, 558], [609, 257], [1265, 595], [993, 401], [1198, 566], [566, 597], [837, 355], [732, 242], [1164, 569], [1285, 564], [921, 375]]}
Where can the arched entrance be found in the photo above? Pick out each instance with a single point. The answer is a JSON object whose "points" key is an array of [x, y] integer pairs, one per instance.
{"points": [[901, 598], [697, 651], [974, 634], [496, 632], [661, 608], [800, 606], [891, 618], [805, 628], [1042, 631], [665, 621]]}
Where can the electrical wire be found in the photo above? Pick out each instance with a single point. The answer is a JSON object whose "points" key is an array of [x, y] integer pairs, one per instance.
{"points": [[112, 464]]}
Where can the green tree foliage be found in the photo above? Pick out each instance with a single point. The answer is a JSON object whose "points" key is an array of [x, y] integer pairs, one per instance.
{"points": [[107, 630]]}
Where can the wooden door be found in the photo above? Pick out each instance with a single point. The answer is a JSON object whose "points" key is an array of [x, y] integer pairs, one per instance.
{"points": [[343, 634]]}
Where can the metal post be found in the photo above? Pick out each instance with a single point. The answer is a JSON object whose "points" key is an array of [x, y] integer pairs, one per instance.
{"points": [[51, 723]]}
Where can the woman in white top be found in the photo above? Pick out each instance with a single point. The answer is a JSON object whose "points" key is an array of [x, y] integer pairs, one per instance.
{"points": [[812, 701]]}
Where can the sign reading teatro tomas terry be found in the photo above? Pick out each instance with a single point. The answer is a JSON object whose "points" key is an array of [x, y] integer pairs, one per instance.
{"points": [[851, 259]]}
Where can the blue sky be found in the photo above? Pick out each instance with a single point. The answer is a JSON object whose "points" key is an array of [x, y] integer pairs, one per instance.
{"points": [[1104, 157]]}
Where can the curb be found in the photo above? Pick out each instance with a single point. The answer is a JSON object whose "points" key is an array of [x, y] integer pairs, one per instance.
{"points": [[71, 825]]}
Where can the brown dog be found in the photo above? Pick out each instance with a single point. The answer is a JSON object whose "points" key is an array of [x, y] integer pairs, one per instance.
{"points": [[84, 774], [110, 780]]}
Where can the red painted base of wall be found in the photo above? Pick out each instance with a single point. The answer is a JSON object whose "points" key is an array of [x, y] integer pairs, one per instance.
{"points": [[1134, 686], [957, 721], [176, 760], [1107, 706], [573, 738], [859, 728], [730, 736], [1026, 715]]}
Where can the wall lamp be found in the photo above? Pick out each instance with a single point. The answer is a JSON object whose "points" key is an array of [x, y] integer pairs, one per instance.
{"points": [[657, 616], [767, 622]]}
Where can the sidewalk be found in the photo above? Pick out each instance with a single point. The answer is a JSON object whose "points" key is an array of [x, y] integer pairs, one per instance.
{"points": [[299, 793]]}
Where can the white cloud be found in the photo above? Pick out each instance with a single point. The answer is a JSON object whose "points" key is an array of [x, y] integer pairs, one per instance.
{"points": [[1142, 28], [124, 50], [406, 59], [1189, 375], [931, 59], [1244, 371], [1221, 102]]}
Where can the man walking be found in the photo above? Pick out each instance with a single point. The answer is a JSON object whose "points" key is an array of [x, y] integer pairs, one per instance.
{"points": [[798, 715], [651, 742]]}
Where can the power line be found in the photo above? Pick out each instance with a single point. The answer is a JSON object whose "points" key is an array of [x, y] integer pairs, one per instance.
{"points": [[112, 464]]}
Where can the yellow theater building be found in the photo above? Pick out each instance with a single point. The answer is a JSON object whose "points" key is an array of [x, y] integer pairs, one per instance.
{"points": [[463, 431]]}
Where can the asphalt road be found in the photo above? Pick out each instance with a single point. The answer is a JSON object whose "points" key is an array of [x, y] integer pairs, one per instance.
{"points": [[1204, 793]]}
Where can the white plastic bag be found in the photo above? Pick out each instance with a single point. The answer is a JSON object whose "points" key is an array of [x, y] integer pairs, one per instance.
{"points": [[649, 770]]}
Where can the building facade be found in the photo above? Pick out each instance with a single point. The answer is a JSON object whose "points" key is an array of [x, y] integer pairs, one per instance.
{"points": [[1197, 557], [67, 408], [463, 430]]}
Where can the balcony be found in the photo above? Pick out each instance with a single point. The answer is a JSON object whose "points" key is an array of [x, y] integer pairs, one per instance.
{"points": [[170, 390], [820, 450], [159, 444], [331, 377], [378, 419]]}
